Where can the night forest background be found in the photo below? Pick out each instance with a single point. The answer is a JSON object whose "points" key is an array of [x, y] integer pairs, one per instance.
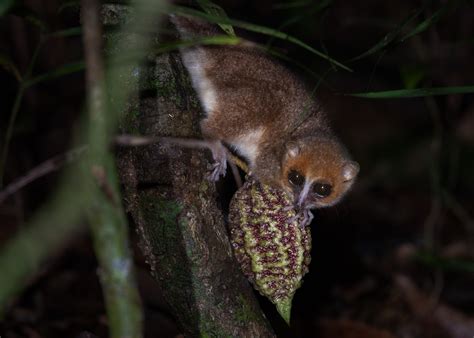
{"points": [[394, 259]]}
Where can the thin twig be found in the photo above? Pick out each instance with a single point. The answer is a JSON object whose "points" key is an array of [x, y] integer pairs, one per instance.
{"points": [[48, 166], [136, 141]]}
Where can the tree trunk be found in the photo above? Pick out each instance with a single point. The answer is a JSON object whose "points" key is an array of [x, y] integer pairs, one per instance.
{"points": [[175, 209]]}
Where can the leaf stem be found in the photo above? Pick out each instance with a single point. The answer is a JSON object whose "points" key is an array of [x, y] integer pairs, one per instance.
{"points": [[15, 109]]}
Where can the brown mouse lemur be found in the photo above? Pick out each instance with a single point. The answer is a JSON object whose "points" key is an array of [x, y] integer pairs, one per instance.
{"points": [[265, 113]]}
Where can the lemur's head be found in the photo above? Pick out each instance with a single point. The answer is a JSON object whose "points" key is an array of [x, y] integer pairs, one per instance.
{"points": [[318, 171]]}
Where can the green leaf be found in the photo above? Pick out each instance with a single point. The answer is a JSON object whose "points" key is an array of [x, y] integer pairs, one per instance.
{"points": [[425, 24], [213, 9], [5, 5], [412, 76], [9, 66], [254, 28], [418, 92], [420, 28], [310, 12], [79, 66], [171, 46], [58, 72], [390, 37], [68, 32]]}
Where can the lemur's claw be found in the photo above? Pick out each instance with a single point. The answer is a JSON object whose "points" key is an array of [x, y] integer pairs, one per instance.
{"points": [[304, 217], [217, 170], [219, 167]]}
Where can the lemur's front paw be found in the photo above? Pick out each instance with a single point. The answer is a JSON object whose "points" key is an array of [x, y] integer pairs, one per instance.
{"points": [[219, 167], [304, 217], [217, 170]]}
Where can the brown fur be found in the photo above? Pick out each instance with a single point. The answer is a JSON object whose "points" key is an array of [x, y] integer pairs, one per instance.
{"points": [[254, 95], [320, 159]]}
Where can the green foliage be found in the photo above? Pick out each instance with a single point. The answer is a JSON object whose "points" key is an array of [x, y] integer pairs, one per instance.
{"points": [[257, 29], [418, 92], [396, 34], [5, 6], [427, 23], [389, 37], [55, 222], [27, 80], [61, 71], [213, 9], [9, 66], [412, 76], [65, 33]]}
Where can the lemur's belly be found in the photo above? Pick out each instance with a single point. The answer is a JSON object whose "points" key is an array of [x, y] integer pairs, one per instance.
{"points": [[247, 144]]}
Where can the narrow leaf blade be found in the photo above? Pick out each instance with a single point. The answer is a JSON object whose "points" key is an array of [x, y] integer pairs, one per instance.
{"points": [[211, 8], [63, 70], [418, 92], [257, 29], [427, 23], [68, 32], [9, 66], [389, 37]]}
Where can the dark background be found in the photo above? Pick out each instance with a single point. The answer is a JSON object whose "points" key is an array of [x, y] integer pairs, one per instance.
{"points": [[395, 258]]}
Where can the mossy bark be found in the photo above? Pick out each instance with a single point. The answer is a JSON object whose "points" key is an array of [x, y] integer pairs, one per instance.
{"points": [[175, 211]]}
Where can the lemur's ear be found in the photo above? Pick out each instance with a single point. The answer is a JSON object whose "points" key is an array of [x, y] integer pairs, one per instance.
{"points": [[198, 59], [350, 170], [292, 149]]}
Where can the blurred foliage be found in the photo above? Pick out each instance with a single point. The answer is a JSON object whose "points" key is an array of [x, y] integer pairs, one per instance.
{"points": [[416, 154]]}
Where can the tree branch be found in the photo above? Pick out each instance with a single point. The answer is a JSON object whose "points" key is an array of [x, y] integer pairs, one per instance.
{"points": [[107, 219], [41, 170], [175, 209]]}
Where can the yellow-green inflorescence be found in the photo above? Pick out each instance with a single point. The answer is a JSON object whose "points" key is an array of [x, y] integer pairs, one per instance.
{"points": [[270, 244]]}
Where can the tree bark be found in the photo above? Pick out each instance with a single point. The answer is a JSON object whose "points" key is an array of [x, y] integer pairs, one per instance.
{"points": [[176, 210]]}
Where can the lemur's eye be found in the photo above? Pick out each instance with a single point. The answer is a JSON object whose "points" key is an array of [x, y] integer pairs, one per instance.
{"points": [[322, 189], [295, 178]]}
